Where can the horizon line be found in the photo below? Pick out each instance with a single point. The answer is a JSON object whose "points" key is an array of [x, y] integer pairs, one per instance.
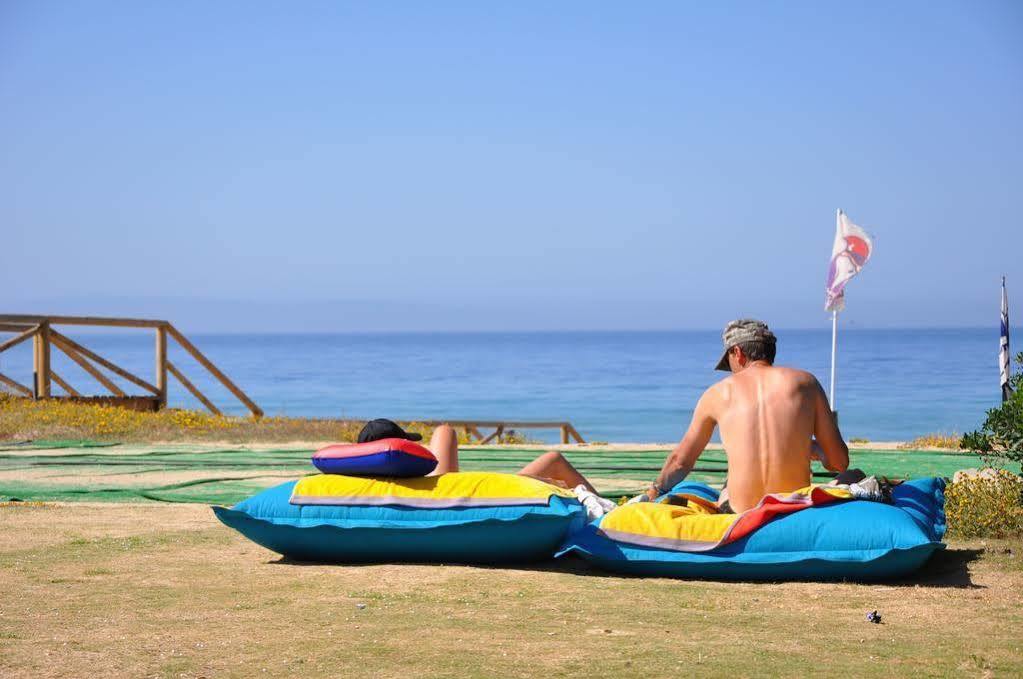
{"points": [[552, 331]]}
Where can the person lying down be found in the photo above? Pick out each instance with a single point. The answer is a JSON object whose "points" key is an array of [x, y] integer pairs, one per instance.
{"points": [[550, 467]]}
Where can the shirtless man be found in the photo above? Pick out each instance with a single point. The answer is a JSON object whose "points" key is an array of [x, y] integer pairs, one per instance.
{"points": [[773, 422]]}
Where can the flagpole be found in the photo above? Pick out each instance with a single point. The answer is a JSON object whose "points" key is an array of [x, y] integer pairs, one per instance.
{"points": [[834, 329], [834, 344], [1004, 364]]}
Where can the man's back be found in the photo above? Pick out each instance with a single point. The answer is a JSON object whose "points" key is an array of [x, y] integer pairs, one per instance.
{"points": [[766, 418], [773, 421]]}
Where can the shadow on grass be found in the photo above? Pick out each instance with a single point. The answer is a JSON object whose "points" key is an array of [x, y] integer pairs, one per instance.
{"points": [[946, 568], [569, 565]]}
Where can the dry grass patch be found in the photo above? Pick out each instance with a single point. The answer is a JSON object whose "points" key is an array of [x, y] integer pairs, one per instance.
{"points": [[155, 590], [25, 419], [934, 441]]}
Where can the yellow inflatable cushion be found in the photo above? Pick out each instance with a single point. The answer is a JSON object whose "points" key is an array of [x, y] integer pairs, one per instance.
{"points": [[456, 489]]}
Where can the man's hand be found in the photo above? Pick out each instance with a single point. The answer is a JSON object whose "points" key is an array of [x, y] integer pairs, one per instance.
{"points": [[649, 495], [833, 452]]}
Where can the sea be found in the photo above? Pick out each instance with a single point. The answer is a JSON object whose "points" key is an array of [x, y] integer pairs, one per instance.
{"points": [[892, 384]]}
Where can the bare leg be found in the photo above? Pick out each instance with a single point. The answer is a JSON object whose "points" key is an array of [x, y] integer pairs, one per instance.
{"points": [[552, 465], [444, 446]]}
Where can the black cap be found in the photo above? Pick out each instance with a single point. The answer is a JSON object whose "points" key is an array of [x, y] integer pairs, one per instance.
{"points": [[381, 428]]}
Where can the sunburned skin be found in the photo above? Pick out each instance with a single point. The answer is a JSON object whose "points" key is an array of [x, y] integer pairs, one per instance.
{"points": [[770, 419]]}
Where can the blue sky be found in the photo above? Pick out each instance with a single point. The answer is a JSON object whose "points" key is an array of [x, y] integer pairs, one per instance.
{"points": [[453, 166]]}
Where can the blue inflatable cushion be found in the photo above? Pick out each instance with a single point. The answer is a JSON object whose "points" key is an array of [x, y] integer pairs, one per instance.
{"points": [[854, 540], [386, 533]]}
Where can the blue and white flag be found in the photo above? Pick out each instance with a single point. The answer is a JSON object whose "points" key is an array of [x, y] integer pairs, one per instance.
{"points": [[1003, 349]]}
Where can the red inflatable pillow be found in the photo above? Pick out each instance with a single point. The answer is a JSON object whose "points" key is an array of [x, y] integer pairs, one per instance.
{"points": [[386, 457]]}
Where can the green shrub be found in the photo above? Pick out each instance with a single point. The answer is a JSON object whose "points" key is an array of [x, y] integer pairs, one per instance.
{"points": [[1001, 436], [989, 505]]}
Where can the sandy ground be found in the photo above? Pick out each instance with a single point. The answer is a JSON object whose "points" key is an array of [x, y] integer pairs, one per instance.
{"points": [[99, 590]]}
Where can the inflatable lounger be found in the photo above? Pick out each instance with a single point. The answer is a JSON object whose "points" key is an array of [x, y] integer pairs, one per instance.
{"points": [[853, 539], [463, 517]]}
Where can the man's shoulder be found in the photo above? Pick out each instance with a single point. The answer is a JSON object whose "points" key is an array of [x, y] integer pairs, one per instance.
{"points": [[720, 387], [719, 393], [795, 374], [714, 393]]}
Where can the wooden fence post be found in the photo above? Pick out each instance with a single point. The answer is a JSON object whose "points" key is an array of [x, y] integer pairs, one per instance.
{"points": [[161, 365], [42, 360]]}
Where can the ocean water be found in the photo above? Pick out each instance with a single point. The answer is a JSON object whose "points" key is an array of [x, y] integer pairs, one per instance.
{"points": [[613, 386]]}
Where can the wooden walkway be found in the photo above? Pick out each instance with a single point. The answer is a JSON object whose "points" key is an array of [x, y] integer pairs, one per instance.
{"points": [[501, 427], [45, 337]]}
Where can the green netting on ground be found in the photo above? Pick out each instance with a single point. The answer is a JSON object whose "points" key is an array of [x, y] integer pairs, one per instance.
{"points": [[193, 473]]}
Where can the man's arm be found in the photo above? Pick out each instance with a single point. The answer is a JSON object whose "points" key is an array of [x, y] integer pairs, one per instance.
{"points": [[830, 447], [683, 458]]}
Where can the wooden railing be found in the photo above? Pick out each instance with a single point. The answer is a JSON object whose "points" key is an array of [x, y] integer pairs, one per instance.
{"points": [[500, 427], [44, 337]]}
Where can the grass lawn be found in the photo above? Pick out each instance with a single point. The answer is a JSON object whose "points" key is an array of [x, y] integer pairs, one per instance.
{"points": [[164, 590]]}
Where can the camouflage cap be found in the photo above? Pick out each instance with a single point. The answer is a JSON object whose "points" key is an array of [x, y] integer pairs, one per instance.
{"points": [[740, 331]]}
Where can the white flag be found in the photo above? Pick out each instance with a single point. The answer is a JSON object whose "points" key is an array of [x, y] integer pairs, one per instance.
{"points": [[849, 254]]}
